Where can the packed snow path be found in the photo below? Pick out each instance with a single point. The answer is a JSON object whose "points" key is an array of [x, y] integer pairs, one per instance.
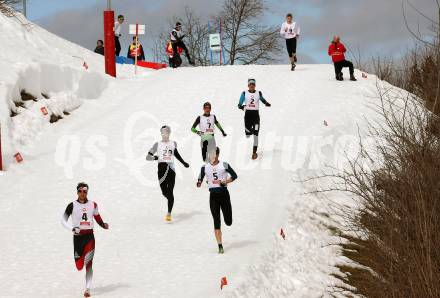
{"points": [[105, 141]]}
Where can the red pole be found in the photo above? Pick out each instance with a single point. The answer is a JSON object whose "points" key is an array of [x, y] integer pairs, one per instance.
{"points": [[1, 162], [137, 48], [109, 42]]}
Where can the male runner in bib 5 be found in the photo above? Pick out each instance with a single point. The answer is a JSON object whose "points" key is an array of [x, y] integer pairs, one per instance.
{"points": [[218, 176], [207, 123], [166, 151], [83, 211], [250, 102]]}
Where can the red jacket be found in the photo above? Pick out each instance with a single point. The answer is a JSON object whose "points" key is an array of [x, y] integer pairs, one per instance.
{"points": [[337, 50], [170, 52]]}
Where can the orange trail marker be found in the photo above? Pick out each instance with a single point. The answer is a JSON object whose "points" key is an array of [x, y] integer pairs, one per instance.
{"points": [[44, 111], [18, 157], [223, 282]]}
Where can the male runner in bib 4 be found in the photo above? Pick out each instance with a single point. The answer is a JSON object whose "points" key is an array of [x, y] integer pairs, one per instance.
{"points": [[218, 176], [83, 211], [207, 123], [166, 151], [250, 102]]}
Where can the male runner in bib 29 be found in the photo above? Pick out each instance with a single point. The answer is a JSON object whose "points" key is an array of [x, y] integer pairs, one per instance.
{"points": [[250, 102], [166, 151], [83, 211], [207, 123], [218, 176]]}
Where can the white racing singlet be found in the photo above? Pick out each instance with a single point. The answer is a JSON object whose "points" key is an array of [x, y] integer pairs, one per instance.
{"points": [[82, 215], [165, 151], [252, 100], [179, 34], [207, 124], [215, 174]]}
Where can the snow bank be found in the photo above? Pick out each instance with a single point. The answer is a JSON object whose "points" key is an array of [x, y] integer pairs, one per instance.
{"points": [[43, 65]]}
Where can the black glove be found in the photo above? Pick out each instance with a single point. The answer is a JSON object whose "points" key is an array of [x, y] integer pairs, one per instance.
{"points": [[156, 157], [268, 104], [224, 134], [223, 183], [186, 165], [76, 230], [241, 107]]}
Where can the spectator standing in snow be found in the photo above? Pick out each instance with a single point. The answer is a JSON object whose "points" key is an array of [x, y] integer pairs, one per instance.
{"points": [[99, 47], [118, 29], [177, 37], [337, 51], [174, 61], [290, 30], [136, 50]]}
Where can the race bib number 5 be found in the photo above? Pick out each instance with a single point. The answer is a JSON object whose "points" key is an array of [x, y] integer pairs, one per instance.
{"points": [[216, 181]]}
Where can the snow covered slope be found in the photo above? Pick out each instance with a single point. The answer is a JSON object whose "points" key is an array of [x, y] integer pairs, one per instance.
{"points": [[104, 142], [43, 65]]}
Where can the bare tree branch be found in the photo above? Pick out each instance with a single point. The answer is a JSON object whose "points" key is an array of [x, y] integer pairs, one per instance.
{"points": [[246, 41]]}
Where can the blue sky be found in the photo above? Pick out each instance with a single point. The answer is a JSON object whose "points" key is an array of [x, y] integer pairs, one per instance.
{"points": [[373, 26], [38, 9]]}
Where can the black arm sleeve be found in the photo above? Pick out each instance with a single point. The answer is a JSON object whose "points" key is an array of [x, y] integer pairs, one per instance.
{"points": [[197, 122], [179, 158], [231, 172], [263, 100], [69, 210], [202, 174], [218, 124]]}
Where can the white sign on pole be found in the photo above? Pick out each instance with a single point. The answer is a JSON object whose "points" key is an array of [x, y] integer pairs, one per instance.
{"points": [[140, 30], [215, 42], [136, 29]]}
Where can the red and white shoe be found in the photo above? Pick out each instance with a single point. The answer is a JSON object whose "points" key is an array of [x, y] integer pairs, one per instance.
{"points": [[87, 293]]}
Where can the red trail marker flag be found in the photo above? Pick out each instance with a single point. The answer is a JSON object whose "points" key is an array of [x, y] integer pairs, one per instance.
{"points": [[223, 282]]}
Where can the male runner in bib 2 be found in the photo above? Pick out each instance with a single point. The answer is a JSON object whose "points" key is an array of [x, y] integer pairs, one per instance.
{"points": [[218, 176], [83, 211], [166, 151], [250, 102], [207, 123]]}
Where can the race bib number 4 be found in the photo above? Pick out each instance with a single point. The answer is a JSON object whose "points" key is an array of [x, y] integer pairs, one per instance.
{"points": [[84, 221]]}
